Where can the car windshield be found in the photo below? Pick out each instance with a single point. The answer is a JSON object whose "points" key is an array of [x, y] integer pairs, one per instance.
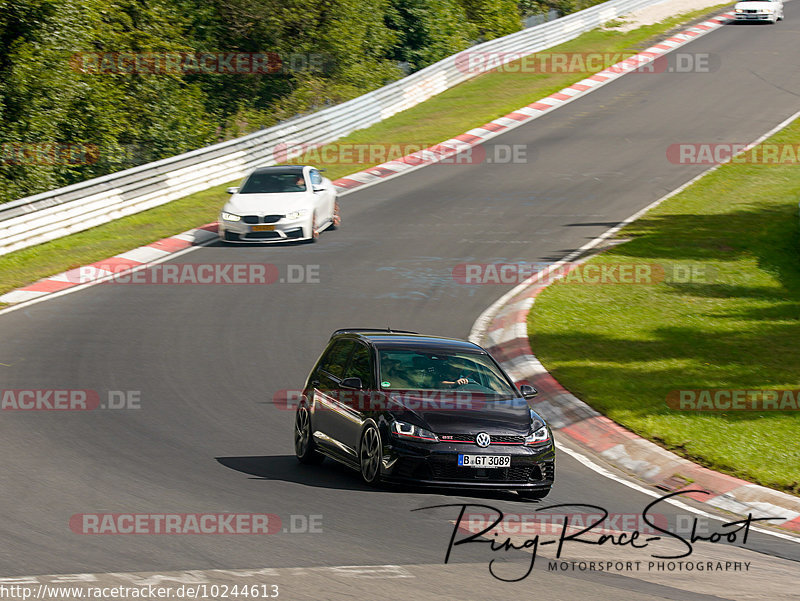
{"points": [[271, 183], [408, 369]]}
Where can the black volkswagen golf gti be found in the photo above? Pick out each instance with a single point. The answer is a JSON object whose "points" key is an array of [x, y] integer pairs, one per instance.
{"points": [[425, 410]]}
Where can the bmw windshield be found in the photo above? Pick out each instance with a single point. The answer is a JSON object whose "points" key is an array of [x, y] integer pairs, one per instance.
{"points": [[274, 183]]}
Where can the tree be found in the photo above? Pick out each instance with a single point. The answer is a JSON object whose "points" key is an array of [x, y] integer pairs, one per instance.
{"points": [[429, 30]]}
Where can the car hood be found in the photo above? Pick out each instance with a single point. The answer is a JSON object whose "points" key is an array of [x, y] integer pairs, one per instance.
{"points": [[266, 204], [753, 4], [460, 415]]}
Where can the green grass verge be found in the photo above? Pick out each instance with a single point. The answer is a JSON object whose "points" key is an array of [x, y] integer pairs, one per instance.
{"points": [[623, 348], [448, 114]]}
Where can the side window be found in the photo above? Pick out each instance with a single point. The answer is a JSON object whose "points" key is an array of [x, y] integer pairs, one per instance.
{"points": [[361, 366], [336, 358], [316, 177]]}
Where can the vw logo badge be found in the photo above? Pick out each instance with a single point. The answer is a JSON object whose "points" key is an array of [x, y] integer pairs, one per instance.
{"points": [[483, 439]]}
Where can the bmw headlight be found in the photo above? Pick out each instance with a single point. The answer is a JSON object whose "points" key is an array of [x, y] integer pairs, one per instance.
{"points": [[739, 10], [406, 430], [297, 214], [230, 217]]}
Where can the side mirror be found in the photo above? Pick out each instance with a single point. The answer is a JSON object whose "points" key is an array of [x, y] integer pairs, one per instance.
{"points": [[528, 391], [352, 384], [232, 190]]}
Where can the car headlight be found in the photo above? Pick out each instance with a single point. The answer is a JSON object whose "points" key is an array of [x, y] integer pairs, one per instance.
{"points": [[297, 214], [739, 10], [539, 436], [230, 217], [539, 432], [406, 430]]}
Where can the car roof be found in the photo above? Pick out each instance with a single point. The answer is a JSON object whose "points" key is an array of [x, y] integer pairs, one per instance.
{"points": [[295, 169], [385, 339]]}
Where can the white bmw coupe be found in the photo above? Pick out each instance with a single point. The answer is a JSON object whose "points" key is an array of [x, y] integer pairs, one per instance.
{"points": [[770, 11], [275, 204]]}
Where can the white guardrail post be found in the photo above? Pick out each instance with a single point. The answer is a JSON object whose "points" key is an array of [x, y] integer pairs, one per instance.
{"points": [[51, 215]]}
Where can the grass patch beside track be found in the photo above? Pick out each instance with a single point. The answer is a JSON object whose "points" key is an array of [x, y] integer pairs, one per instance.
{"points": [[623, 348], [448, 114]]}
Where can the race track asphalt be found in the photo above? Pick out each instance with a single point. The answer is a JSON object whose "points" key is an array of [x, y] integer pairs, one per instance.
{"points": [[208, 360]]}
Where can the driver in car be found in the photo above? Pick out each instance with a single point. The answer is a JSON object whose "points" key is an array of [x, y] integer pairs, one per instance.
{"points": [[456, 377]]}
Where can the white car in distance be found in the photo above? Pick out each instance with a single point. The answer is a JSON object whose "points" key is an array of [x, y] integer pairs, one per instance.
{"points": [[280, 203], [770, 11]]}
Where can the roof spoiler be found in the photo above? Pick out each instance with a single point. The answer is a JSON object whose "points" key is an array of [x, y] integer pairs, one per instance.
{"points": [[387, 330]]}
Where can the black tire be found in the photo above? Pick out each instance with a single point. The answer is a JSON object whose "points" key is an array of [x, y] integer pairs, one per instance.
{"points": [[304, 447], [314, 232], [370, 455], [533, 495], [337, 218]]}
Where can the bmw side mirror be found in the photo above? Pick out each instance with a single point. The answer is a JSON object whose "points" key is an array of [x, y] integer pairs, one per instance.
{"points": [[232, 190], [352, 383], [528, 391]]}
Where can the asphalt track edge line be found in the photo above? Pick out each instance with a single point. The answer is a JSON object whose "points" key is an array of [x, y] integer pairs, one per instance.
{"points": [[481, 324], [645, 56], [609, 74], [480, 330], [76, 288], [586, 461]]}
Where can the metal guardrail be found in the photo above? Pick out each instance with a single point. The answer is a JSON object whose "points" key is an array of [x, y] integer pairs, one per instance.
{"points": [[57, 213]]}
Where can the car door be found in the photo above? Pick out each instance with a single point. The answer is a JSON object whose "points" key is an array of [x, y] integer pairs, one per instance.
{"points": [[324, 194], [325, 390], [353, 403]]}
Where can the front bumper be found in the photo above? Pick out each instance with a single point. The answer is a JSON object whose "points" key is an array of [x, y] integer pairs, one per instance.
{"points": [[282, 231], [437, 465], [755, 16]]}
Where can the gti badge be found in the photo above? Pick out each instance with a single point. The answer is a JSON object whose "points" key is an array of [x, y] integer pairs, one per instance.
{"points": [[483, 439]]}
